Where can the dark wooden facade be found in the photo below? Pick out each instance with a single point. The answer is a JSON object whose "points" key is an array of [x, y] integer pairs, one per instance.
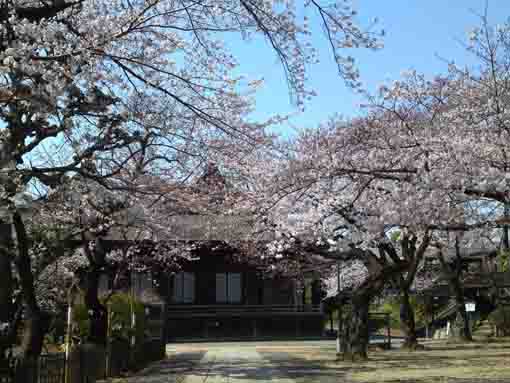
{"points": [[231, 300]]}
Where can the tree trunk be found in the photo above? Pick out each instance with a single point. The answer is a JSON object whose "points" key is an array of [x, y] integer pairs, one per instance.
{"points": [[5, 288], [98, 320], [462, 328], [356, 330], [36, 324], [407, 322], [98, 315]]}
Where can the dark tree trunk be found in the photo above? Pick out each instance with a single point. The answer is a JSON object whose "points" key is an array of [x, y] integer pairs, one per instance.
{"points": [[407, 315], [35, 322], [98, 321], [5, 287], [462, 329], [407, 322], [454, 273], [356, 330]]}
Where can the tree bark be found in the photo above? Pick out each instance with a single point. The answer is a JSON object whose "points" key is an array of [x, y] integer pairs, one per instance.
{"points": [[462, 328], [98, 320], [407, 322], [5, 287], [453, 273], [407, 315], [36, 323], [356, 332]]}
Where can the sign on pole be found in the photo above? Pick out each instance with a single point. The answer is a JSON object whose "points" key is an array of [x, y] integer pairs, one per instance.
{"points": [[470, 307]]}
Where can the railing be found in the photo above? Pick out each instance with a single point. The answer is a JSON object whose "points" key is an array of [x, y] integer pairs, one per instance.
{"points": [[216, 309], [84, 365], [484, 279], [45, 369]]}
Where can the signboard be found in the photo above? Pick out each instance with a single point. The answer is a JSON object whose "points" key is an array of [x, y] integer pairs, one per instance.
{"points": [[470, 307]]}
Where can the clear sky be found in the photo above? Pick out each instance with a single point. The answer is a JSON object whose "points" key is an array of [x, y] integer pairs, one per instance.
{"points": [[417, 31]]}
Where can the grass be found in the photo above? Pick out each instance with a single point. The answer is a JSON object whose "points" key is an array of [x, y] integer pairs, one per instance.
{"points": [[440, 362]]}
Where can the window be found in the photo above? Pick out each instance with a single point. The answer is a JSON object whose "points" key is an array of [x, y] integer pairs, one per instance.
{"points": [[184, 288], [228, 288]]}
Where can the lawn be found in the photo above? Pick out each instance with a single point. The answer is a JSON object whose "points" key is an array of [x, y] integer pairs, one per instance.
{"points": [[480, 361]]}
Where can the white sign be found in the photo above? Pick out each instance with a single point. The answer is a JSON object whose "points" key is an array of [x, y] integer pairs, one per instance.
{"points": [[470, 307]]}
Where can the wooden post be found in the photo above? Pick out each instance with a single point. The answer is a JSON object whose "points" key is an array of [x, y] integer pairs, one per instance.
{"points": [[109, 316], [339, 332], [67, 371], [338, 335], [388, 320], [70, 301]]}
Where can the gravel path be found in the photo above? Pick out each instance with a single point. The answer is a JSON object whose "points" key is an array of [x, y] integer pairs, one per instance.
{"points": [[232, 363]]}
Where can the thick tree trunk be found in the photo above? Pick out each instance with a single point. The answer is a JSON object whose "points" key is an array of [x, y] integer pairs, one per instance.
{"points": [[407, 322], [36, 322], [461, 328], [98, 315], [356, 330], [5, 287], [98, 321]]}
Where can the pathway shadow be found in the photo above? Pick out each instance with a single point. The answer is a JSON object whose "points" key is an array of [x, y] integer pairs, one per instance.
{"points": [[273, 366], [172, 369]]}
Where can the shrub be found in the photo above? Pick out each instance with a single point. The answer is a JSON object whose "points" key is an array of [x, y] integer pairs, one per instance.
{"points": [[501, 319], [119, 305], [503, 260], [392, 305], [119, 309]]}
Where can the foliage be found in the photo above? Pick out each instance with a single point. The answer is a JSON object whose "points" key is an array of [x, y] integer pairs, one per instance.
{"points": [[392, 305], [501, 319], [119, 308], [503, 260], [80, 322]]}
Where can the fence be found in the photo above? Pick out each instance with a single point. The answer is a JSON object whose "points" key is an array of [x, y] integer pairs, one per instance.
{"points": [[45, 369], [86, 363]]}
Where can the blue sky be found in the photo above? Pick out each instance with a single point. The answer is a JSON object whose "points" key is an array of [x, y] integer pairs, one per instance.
{"points": [[417, 31]]}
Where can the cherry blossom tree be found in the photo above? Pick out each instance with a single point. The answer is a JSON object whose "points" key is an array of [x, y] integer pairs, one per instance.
{"points": [[89, 86], [102, 230], [340, 191], [465, 140]]}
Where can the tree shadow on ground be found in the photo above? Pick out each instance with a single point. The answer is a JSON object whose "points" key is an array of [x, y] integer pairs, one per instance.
{"points": [[272, 366], [450, 359], [171, 369]]}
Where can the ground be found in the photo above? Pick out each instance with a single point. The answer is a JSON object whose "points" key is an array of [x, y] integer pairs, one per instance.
{"points": [[315, 362]]}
